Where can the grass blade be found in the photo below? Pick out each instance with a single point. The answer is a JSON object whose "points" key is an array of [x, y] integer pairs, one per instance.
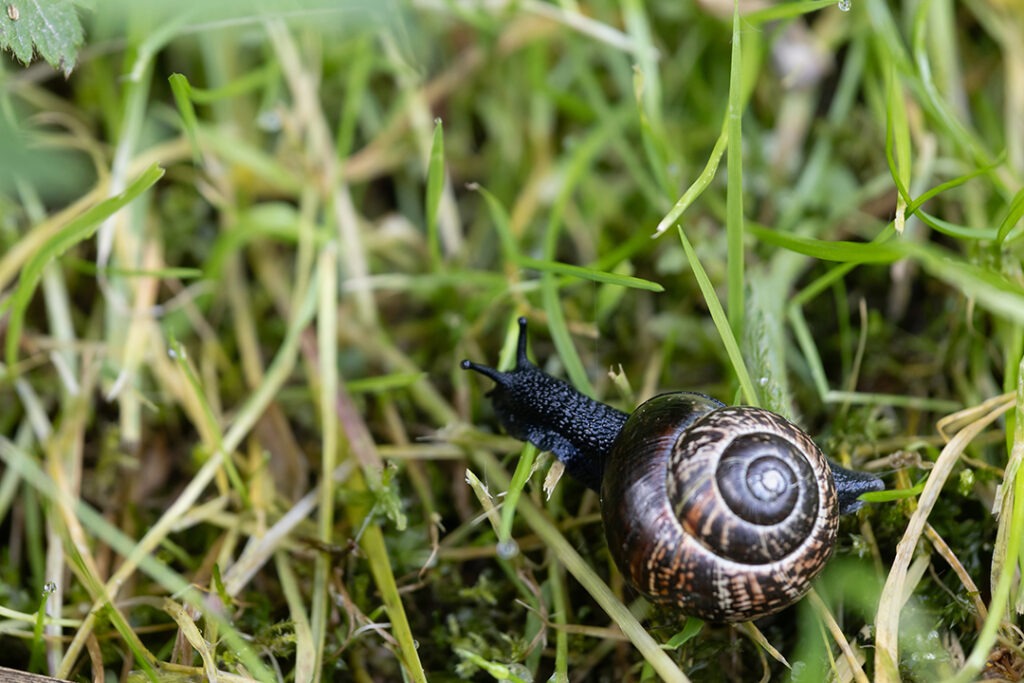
{"points": [[824, 250], [1013, 216], [584, 273], [435, 185], [182, 92], [734, 192], [78, 230], [721, 323], [897, 148], [697, 187]]}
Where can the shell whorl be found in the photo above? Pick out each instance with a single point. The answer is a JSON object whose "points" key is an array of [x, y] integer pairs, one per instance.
{"points": [[730, 512]]}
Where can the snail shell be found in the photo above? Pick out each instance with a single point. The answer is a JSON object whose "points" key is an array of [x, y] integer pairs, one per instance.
{"points": [[728, 513]]}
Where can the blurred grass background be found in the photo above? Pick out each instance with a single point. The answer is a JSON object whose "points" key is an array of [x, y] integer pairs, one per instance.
{"points": [[244, 246]]}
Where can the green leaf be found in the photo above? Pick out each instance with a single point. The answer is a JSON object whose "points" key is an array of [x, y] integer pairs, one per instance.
{"points": [[48, 27]]}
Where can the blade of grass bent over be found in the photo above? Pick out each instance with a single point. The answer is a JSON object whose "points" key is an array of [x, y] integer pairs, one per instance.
{"points": [[697, 187], [78, 230]]}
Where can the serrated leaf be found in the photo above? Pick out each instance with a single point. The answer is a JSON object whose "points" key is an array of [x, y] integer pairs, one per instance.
{"points": [[48, 27]]}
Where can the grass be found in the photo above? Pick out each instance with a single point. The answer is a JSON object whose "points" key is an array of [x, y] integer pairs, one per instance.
{"points": [[243, 252]]}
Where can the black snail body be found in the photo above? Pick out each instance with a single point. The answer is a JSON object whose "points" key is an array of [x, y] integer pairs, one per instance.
{"points": [[728, 513]]}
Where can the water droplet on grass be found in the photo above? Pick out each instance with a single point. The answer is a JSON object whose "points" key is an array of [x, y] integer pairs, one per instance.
{"points": [[508, 549]]}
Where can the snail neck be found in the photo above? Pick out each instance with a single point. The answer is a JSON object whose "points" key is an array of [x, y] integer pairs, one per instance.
{"points": [[549, 413], [850, 485]]}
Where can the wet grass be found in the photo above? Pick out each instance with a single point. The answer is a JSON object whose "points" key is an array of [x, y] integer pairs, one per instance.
{"points": [[237, 281]]}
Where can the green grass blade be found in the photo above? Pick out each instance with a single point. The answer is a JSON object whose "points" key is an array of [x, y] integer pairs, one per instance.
{"points": [[524, 466], [435, 186], [500, 219], [253, 159], [934, 100], [1013, 216], [997, 293], [721, 322], [89, 268], [244, 83], [697, 187], [805, 340], [647, 91], [372, 544], [357, 76], [897, 147], [839, 251], [591, 274], [36, 656], [962, 232], [182, 92], [269, 220], [78, 230], [734, 193], [950, 184], [786, 10], [990, 289]]}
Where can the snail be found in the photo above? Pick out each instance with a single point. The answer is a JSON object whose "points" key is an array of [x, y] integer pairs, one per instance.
{"points": [[726, 512]]}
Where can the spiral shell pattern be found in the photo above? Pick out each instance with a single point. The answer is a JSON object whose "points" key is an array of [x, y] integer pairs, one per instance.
{"points": [[727, 512]]}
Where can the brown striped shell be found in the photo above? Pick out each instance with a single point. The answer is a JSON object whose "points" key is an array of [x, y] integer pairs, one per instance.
{"points": [[728, 513]]}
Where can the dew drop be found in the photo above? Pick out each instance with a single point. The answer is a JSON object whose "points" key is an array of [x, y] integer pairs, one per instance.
{"points": [[49, 588], [269, 121], [844, 5], [508, 549]]}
